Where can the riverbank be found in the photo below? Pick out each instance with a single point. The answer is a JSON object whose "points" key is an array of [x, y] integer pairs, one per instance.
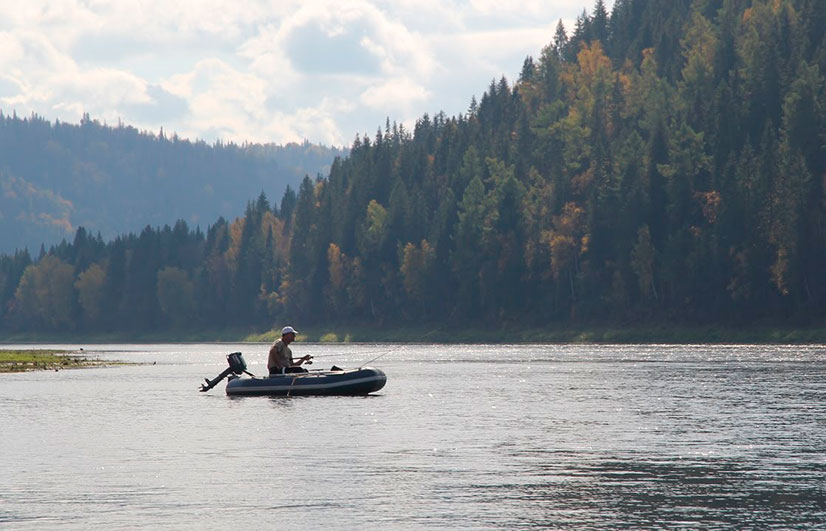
{"points": [[40, 360], [440, 333]]}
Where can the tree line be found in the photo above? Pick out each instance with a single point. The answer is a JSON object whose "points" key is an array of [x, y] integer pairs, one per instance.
{"points": [[665, 161]]}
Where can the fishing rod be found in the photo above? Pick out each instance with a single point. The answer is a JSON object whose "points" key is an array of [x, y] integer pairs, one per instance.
{"points": [[371, 351], [381, 356], [384, 352]]}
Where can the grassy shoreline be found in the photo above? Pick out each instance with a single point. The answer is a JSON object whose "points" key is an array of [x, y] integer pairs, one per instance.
{"points": [[653, 334], [44, 360]]}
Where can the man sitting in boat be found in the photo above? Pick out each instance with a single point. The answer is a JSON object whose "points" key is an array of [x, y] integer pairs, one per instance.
{"points": [[281, 359]]}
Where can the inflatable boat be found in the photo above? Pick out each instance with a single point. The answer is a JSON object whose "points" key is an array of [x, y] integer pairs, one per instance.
{"points": [[360, 381]]}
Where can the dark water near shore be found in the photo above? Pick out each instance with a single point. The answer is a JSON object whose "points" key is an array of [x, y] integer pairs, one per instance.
{"points": [[503, 437]]}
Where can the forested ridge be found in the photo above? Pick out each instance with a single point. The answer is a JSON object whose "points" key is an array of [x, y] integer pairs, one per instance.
{"points": [[56, 177], [664, 162]]}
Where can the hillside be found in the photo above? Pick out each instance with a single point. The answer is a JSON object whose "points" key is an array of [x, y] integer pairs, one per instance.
{"points": [[56, 177], [663, 163]]}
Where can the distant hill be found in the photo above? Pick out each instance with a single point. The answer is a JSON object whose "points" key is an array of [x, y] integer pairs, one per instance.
{"points": [[56, 177]]}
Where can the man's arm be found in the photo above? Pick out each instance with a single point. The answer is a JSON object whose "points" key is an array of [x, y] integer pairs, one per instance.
{"points": [[298, 361]]}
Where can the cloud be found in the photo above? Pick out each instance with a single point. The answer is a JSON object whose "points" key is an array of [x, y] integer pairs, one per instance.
{"points": [[9, 88], [489, 52], [161, 106], [393, 93], [313, 50], [11, 50], [220, 98], [226, 103], [328, 38], [260, 70], [106, 47], [319, 121]]}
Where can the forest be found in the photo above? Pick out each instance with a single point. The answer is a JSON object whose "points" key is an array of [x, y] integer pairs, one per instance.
{"points": [[663, 162], [55, 177]]}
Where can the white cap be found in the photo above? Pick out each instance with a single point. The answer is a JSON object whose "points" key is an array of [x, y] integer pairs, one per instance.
{"points": [[288, 330]]}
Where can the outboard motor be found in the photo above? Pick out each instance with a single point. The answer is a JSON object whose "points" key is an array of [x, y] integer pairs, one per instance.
{"points": [[236, 362], [237, 365]]}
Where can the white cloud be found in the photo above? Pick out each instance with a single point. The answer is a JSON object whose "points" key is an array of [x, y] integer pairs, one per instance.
{"points": [[394, 93], [320, 121]]}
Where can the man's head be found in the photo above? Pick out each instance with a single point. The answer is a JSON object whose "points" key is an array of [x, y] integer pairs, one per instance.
{"points": [[288, 332]]}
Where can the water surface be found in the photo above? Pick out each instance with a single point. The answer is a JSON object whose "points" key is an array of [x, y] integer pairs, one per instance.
{"points": [[494, 437]]}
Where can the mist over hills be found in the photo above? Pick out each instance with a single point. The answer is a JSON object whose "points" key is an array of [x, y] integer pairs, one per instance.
{"points": [[56, 177]]}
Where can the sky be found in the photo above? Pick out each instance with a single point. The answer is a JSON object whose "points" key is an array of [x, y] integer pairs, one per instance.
{"points": [[265, 71]]}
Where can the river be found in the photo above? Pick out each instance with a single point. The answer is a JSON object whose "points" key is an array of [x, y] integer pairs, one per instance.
{"points": [[462, 436]]}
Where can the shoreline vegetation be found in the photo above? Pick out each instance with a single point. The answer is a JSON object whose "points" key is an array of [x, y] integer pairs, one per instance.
{"points": [[46, 360], [344, 333]]}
